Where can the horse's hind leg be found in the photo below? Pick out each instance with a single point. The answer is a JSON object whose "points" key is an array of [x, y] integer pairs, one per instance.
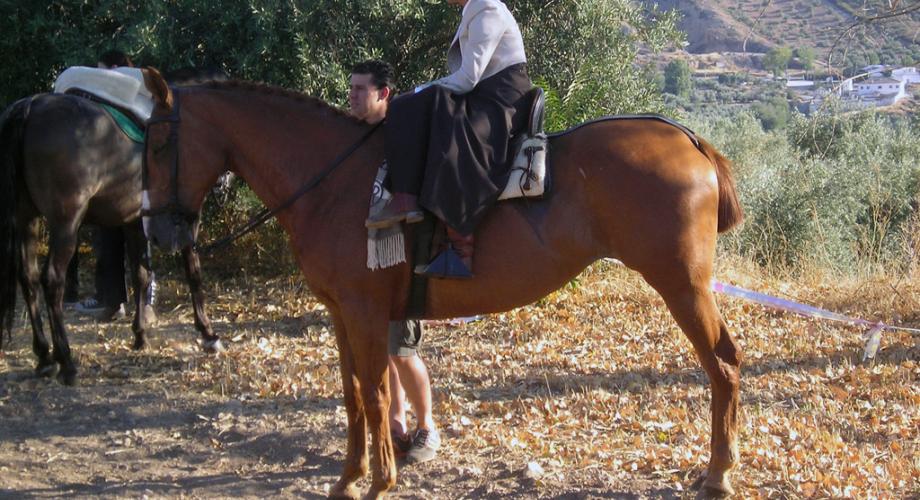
{"points": [[140, 277], [691, 303], [356, 460], [29, 280], [210, 341], [61, 248]]}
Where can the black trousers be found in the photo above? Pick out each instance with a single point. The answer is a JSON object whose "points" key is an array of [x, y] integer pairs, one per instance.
{"points": [[454, 150], [109, 246]]}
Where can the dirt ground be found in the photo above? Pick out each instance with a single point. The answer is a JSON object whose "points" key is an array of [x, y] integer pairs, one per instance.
{"points": [[591, 393]]}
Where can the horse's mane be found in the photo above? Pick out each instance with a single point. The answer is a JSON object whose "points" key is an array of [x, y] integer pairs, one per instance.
{"points": [[273, 90]]}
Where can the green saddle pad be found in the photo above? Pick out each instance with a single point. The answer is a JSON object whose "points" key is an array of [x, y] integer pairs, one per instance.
{"points": [[126, 124]]}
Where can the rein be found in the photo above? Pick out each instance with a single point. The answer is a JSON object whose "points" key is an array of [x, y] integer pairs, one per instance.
{"points": [[175, 208], [266, 213]]}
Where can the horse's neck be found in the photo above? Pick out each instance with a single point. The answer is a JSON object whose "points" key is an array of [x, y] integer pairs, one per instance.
{"points": [[280, 144]]}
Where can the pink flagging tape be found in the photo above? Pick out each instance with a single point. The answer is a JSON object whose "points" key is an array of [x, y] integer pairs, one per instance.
{"points": [[873, 337]]}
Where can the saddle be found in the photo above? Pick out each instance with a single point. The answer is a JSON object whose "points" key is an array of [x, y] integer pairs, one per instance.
{"points": [[528, 177]]}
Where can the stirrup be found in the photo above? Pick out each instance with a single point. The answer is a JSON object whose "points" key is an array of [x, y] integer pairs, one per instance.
{"points": [[447, 264]]}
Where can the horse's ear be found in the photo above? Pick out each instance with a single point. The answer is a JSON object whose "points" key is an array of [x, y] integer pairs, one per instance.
{"points": [[158, 87]]}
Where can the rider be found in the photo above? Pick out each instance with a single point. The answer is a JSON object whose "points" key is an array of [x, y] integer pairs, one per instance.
{"points": [[371, 89], [448, 144]]}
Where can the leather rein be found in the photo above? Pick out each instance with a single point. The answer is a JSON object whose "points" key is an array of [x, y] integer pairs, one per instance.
{"points": [[175, 209]]}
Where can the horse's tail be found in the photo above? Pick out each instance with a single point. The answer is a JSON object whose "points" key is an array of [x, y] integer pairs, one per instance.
{"points": [[730, 212], [12, 124]]}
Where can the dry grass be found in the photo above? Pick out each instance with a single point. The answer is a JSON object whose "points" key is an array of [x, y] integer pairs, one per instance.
{"points": [[595, 387], [598, 376]]}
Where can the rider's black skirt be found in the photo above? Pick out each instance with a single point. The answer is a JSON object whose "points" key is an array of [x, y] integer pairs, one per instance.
{"points": [[454, 150]]}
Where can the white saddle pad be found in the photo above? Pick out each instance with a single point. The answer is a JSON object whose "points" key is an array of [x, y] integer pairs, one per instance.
{"points": [[123, 87]]}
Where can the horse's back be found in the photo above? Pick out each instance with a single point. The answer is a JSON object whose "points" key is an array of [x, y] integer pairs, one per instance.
{"points": [[76, 160]]}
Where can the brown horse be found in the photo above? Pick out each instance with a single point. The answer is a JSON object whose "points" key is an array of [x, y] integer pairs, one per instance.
{"points": [[638, 190]]}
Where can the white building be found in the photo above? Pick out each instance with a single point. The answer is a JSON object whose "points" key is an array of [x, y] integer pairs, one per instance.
{"points": [[907, 74], [875, 87]]}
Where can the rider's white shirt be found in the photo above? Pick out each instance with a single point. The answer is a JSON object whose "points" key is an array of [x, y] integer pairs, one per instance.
{"points": [[487, 41]]}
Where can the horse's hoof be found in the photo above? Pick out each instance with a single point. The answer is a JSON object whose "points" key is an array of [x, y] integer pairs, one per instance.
{"points": [[213, 346], [711, 489], [707, 493], [349, 491], [68, 379], [46, 369], [139, 344]]}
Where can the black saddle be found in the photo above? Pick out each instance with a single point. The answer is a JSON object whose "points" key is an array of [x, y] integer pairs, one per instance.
{"points": [[537, 111]]}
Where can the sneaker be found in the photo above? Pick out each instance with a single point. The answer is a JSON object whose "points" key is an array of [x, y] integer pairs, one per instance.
{"points": [[99, 312], [402, 443], [425, 446], [89, 306], [111, 314]]}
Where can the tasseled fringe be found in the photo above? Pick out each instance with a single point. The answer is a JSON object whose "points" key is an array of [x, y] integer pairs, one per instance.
{"points": [[386, 251]]}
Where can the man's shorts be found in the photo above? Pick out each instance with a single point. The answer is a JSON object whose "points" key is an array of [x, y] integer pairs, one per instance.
{"points": [[405, 337]]}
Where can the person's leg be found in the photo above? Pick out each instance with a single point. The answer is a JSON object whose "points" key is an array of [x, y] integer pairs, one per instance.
{"points": [[406, 149], [413, 376], [109, 246], [397, 403], [72, 281]]}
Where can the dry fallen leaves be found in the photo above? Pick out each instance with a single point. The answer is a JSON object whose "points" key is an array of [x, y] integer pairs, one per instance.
{"points": [[598, 376]]}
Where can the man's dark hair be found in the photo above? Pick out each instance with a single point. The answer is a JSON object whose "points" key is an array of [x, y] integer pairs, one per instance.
{"points": [[114, 58], [381, 72]]}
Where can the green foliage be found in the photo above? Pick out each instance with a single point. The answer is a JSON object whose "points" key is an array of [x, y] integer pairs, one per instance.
{"points": [[584, 51], [773, 113], [777, 60], [806, 57], [835, 191], [677, 78]]}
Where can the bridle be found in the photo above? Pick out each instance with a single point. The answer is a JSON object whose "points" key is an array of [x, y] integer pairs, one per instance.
{"points": [[180, 214], [173, 207]]}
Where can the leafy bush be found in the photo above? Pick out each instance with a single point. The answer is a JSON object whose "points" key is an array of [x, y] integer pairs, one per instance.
{"points": [[839, 192]]}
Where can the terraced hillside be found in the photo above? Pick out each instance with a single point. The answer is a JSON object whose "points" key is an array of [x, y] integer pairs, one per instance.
{"points": [[756, 25]]}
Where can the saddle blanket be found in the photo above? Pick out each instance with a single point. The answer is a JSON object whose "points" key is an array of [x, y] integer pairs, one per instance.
{"points": [[386, 247], [122, 87]]}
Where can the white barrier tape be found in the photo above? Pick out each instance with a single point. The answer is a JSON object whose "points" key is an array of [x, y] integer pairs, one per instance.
{"points": [[873, 337]]}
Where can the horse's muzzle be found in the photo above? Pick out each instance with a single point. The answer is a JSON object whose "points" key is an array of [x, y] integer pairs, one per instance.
{"points": [[169, 233]]}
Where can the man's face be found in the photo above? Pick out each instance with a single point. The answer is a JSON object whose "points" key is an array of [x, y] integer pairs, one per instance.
{"points": [[368, 102]]}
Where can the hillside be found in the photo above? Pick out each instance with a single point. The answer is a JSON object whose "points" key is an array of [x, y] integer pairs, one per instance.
{"points": [[757, 25]]}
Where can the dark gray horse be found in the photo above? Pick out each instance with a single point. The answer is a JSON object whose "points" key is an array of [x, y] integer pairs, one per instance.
{"points": [[63, 158]]}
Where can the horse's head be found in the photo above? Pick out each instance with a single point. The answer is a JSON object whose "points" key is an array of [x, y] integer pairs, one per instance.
{"points": [[171, 201]]}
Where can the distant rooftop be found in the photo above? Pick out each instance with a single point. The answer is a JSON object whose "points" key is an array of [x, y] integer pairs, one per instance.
{"points": [[881, 80]]}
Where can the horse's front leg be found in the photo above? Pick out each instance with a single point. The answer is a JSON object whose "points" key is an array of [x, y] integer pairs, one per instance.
{"points": [[356, 450], [368, 339], [140, 278], [210, 342], [29, 279]]}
